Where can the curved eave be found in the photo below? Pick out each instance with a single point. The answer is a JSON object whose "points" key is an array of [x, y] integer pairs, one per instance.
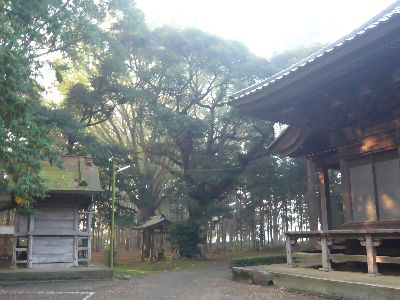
{"points": [[384, 23], [289, 141]]}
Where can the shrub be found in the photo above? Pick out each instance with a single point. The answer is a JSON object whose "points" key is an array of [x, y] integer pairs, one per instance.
{"points": [[185, 236], [257, 260]]}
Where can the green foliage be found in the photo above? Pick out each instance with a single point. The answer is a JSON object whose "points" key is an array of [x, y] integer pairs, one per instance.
{"points": [[157, 99], [30, 31], [21, 154], [185, 236], [257, 260]]}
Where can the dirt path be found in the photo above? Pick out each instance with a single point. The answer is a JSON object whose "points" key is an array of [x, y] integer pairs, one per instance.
{"points": [[209, 283]]}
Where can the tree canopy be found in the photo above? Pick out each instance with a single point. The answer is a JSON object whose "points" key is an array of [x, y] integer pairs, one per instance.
{"points": [[156, 100]]}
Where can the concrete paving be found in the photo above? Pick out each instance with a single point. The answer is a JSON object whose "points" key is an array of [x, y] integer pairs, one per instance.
{"points": [[211, 283], [341, 284]]}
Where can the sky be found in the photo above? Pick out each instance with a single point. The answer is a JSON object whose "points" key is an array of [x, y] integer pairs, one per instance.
{"points": [[266, 26]]}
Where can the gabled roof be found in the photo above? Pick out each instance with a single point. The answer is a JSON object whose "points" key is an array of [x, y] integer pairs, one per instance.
{"points": [[78, 174], [346, 42], [155, 222]]}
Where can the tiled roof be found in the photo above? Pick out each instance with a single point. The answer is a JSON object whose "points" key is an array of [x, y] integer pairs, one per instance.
{"points": [[78, 174], [154, 221], [314, 58]]}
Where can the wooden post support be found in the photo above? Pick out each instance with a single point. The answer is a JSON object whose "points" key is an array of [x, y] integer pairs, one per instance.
{"points": [[326, 263], [76, 238], [30, 249], [14, 257], [289, 254], [151, 232], [89, 230], [143, 245], [30, 241], [371, 255]]}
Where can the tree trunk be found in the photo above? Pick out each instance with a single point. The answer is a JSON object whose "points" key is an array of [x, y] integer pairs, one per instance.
{"points": [[145, 214], [210, 237], [275, 227], [70, 144], [98, 234], [223, 235], [286, 215], [262, 229], [253, 233], [205, 243], [268, 229]]}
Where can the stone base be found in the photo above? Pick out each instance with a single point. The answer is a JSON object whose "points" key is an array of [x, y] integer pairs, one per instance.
{"points": [[347, 285], [95, 272]]}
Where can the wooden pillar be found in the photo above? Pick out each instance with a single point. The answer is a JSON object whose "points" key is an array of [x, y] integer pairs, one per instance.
{"points": [[14, 257], [312, 196], [346, 192], [89, 231], [151, 232], [30, 241], [370, 246], [289, 254], [76, 237], [325, 197], [143, 245], [326, 263]]}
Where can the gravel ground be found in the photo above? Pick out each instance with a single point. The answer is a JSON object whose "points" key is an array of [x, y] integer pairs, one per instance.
{"points": [[209, 283]]}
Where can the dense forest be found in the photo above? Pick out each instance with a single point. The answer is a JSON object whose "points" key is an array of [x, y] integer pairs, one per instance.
{"points": [[156, 100]]}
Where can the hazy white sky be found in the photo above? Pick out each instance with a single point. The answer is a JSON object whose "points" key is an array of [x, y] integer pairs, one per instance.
{"points": [[266, 26]]}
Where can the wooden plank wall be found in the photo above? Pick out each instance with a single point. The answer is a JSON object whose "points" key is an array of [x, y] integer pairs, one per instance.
{"points": [[55, 220], [53, 235], [58, 222], [52, 249]]}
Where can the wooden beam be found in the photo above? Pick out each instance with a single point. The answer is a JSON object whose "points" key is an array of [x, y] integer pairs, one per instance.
{"points": [[325, 197], [346, 192], [341, 258], [6, 230], [30, 240], [76, 238], [89, 229], [375, 189], [142, 248], [14, 257]]}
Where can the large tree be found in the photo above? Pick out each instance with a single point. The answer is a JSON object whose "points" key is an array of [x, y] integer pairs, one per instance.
{"points": [[182, 79]]}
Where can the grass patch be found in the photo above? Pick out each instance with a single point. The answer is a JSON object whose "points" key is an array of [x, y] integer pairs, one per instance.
{"points": [[147, 268]]}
